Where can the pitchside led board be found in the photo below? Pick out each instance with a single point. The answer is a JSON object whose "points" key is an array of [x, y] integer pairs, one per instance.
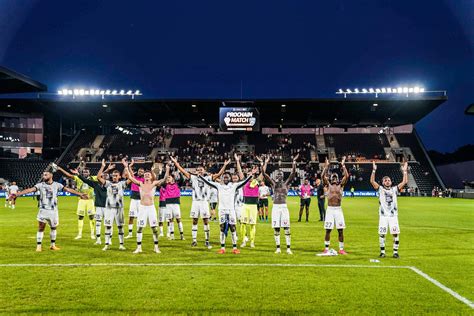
{"points": [[239, 119]]}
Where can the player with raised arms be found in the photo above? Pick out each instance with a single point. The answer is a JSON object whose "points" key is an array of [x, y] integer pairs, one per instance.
{"points": [[388, 208], [114, 205], [250, 205], [100, 196], [48, 207], [227, 192], [280, 213], [334, 215], [200, 202], [134, 200], [85, 205], [147, 210]]}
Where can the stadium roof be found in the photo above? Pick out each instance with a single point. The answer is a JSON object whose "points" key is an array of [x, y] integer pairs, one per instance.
{"points": [[337, 112], [13, 82]]}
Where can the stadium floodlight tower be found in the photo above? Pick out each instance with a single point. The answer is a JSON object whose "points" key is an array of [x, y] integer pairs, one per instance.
{"points": [[406, 91], [94, 92]]}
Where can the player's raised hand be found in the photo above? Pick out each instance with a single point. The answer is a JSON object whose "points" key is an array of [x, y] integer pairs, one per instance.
{"points": [[343, 160], [259, 159], [167, 168], [174, 159], [254, 170], [296, 157], [326, 163], [374, 166], [227, 162], [405, 166], [103, 163], [131, 163], [124, 162], [74, 171], [236, 157], [111, 166]]}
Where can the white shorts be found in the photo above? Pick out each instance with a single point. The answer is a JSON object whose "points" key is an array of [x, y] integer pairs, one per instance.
{"points": [[200, 209], [227, 215], [334, 218], [48, 216], [163, 214], [280, 216], [112, 214], [134, 208], [238, 212], [99, 213], [389, 222], [147, 213], [173, 210]]}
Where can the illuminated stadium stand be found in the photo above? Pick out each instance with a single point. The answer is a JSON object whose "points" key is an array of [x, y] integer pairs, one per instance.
{"points": [[362, 129]]}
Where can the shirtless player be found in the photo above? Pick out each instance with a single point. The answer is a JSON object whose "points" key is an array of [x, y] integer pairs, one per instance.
{"points": [[280, 213], [147, 210], [334, 215]]}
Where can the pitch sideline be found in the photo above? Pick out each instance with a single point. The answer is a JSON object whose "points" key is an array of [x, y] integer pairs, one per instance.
{"points": [[412, 268]]}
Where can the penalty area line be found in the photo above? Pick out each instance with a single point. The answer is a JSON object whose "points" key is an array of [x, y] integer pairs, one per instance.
{"points": [[443, 287]]}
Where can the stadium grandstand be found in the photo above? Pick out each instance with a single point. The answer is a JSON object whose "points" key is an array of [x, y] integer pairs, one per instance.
{"points": [[37, 131]]}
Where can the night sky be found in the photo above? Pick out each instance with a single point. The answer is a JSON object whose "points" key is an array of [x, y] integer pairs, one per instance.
{"points": [[287, 49]]}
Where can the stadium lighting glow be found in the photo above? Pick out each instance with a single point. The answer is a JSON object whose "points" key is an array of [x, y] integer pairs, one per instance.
{"points": [[385, 90], [375, 104], [283, 105], [80, 92], [193, 105], [104, 105]]}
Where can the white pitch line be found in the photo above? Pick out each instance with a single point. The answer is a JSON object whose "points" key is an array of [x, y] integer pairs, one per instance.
{"points": [[414, 269], [198, 265], [443, 287]]}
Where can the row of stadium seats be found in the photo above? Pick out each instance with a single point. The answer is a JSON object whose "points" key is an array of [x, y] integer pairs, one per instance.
{"points": [[24, 172], [370, 146]]}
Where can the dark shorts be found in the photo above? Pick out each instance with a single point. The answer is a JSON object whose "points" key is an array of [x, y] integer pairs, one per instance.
{"points": [[262, 203], [305, 202], [213, 206]]}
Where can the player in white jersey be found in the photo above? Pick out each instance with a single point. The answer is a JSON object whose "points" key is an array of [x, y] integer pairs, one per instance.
{"points": [[48, 207], [226, 192], [388, 208], [213, 203], [200, 203], [147, 210], [263, 194], [114, 205], [12, 193]]}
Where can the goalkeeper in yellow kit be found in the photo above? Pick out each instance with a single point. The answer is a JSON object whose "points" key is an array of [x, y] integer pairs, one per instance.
{"points": [[84, 205]]}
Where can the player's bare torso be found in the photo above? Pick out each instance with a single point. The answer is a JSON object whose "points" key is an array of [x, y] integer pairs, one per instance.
{"points": [[147, 193], [280, 191], [334, 195]]}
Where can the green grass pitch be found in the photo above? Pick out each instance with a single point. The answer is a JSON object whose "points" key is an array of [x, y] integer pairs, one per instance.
{"points": [[437, 237]]}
